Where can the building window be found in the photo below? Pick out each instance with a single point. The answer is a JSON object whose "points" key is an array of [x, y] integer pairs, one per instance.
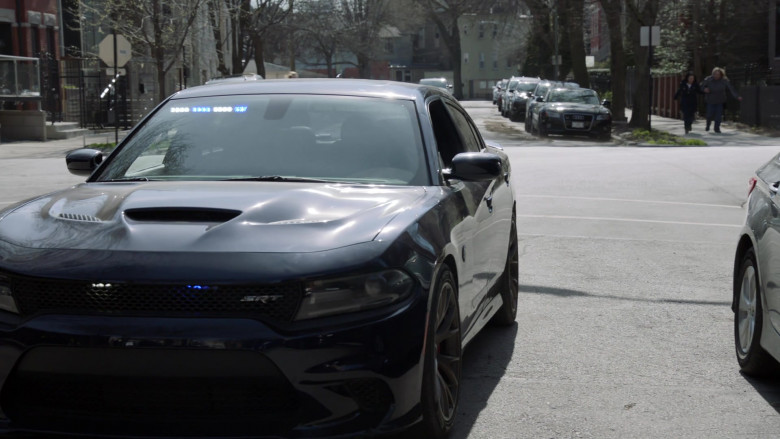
{"points": [[495, 31], [481, 30], [466, 58], [436, 40], [495, 60], [389, 46], [481, 60], [509, 62]]}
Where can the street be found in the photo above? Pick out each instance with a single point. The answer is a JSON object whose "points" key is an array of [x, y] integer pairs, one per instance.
{"points": [[624, 326]]}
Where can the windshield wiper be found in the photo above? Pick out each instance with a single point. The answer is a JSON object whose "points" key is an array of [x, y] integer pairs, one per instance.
{"points": [[279, 178], [113, 180]]}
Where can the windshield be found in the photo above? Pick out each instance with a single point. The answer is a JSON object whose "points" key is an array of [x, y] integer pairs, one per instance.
{"points": [[574, 96], [526, 86], [329, 138]]}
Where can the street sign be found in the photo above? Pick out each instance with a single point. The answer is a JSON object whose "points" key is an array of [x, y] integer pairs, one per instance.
{"points": [[123, 50], [645, 32], [110, 72], [590, 61]]}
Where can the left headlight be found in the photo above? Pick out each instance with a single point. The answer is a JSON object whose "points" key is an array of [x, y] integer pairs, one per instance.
{"points": [[603, 116], [7, 302], [354, 293]]}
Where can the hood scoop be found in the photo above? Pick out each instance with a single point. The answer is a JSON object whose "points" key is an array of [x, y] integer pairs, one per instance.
{"points": [[198, 215]]}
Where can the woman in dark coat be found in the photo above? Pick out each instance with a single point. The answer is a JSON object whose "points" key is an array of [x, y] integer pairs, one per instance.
{"points": [[688, 93]]}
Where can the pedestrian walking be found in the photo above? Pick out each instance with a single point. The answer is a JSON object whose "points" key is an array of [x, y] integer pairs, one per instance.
{"points": [[714, 88], [688, 94]]}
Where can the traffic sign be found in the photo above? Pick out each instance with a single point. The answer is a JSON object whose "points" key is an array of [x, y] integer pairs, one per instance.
{"points": [[123, 50], [649, 36]]}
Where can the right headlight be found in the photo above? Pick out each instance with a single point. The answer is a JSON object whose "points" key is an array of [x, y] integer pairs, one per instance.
{"points": [[7, 302], [344, 295]]}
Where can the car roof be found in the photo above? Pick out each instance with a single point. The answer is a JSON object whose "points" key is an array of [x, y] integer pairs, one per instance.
{"points": [[335, 87]]}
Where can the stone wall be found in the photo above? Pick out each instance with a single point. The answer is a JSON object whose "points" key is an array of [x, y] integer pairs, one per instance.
{"points": [[23, 125]]}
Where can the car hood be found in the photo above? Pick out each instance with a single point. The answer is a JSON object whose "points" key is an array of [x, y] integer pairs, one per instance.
{"points": [[273, 217], [581, 108]]}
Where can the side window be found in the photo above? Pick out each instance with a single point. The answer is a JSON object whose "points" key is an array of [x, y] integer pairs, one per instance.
{"points": [[467, 131], [448, 142]]}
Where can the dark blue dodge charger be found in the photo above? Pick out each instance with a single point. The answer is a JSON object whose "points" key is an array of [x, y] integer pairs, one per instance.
{"points": [[283, 258]]}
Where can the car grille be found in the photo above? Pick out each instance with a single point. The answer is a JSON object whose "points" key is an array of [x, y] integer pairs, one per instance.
{"points": [[571, 118], [274, 302]]}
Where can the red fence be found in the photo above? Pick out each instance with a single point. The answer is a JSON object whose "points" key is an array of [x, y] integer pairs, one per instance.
{"points": [[664, 88]]}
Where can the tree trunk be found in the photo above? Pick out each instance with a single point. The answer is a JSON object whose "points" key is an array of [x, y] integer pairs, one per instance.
{"points": [[574, 18], [257, 42], [364, 66], [617, 59], [161, 92], [640, 111], [216, 25], [457, 58]]}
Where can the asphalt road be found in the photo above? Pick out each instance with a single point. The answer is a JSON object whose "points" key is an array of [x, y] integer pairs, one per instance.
{"points": [[624, 327]]}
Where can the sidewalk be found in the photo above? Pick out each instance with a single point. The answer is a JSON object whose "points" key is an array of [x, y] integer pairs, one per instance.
{"points": [[729, 136], [53, 148]]}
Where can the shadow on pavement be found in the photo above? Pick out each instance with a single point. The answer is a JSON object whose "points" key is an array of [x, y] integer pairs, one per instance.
{"points": [[563, 292], [768, 388], [484, 363]]}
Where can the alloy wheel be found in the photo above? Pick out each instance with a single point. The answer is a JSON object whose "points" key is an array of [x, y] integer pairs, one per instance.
{"points": [[746, 311]]}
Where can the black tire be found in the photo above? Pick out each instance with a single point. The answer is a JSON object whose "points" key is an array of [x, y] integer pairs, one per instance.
{"points": [[509, 283], [752, 358], [513, 117], [542, 130], [528, 126], [442, 363]]}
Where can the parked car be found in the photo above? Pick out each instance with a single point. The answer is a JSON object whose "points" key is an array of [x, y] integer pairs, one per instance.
{"points": [[498, 91], [437, 82], [572, 111], [756, 286], [541, 89], [516, 107], [508, 93], [271, 258]]}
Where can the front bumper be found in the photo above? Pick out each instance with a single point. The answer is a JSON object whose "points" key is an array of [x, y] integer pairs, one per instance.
{"points": [[141, 376], [565, 124]]}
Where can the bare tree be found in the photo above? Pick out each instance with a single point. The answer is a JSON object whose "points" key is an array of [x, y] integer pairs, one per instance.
{"points": [[641, 13], [317, 28], [445, 15], [572, 12], [613, 10], [160, 27], [361, 23]]}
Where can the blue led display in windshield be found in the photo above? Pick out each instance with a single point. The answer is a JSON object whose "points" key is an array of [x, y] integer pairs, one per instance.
{"points": [[207, 109]]}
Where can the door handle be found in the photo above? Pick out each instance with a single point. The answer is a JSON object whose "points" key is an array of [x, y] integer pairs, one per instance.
{"points": [[489, 202]]}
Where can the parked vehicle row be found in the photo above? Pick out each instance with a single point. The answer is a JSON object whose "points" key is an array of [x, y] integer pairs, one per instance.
{"points": [[553, 107]]}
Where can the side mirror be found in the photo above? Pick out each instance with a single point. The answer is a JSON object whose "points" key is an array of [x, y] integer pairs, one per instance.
{"points": [[476, 166], [539, 99], [83, 161], [607, 103]]}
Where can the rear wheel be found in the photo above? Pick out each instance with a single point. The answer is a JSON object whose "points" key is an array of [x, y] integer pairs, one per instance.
{"points": [[509, 283], [748, 320], [442, 367], [542, 129]]}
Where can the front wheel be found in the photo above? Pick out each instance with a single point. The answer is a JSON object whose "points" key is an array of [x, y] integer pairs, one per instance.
{"points": [[509, 283], [442, 360], [542, 129], [748, 320]]}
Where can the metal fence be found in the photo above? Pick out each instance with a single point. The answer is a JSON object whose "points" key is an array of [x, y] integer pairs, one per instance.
{"points": [[88, 95]]}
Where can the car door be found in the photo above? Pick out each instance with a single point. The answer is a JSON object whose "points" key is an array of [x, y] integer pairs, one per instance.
{"points": [[493, 215], [767, 229], [465, 197]]}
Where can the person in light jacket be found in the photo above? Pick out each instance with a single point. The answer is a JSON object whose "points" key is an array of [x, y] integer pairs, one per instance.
{"points": [[688, 94], [714, 88]]}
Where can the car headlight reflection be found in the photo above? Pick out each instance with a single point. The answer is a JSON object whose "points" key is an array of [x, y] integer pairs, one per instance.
{"points": [[355, 293], [7, 302], [603, 116]]}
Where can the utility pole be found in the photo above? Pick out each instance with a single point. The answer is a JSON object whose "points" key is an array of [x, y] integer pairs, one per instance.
{"points": [[113, 81], [290, 39], [556, 59]]}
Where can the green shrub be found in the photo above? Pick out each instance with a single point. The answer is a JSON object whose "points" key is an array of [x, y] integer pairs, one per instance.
{"points": [[655, 137]]}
